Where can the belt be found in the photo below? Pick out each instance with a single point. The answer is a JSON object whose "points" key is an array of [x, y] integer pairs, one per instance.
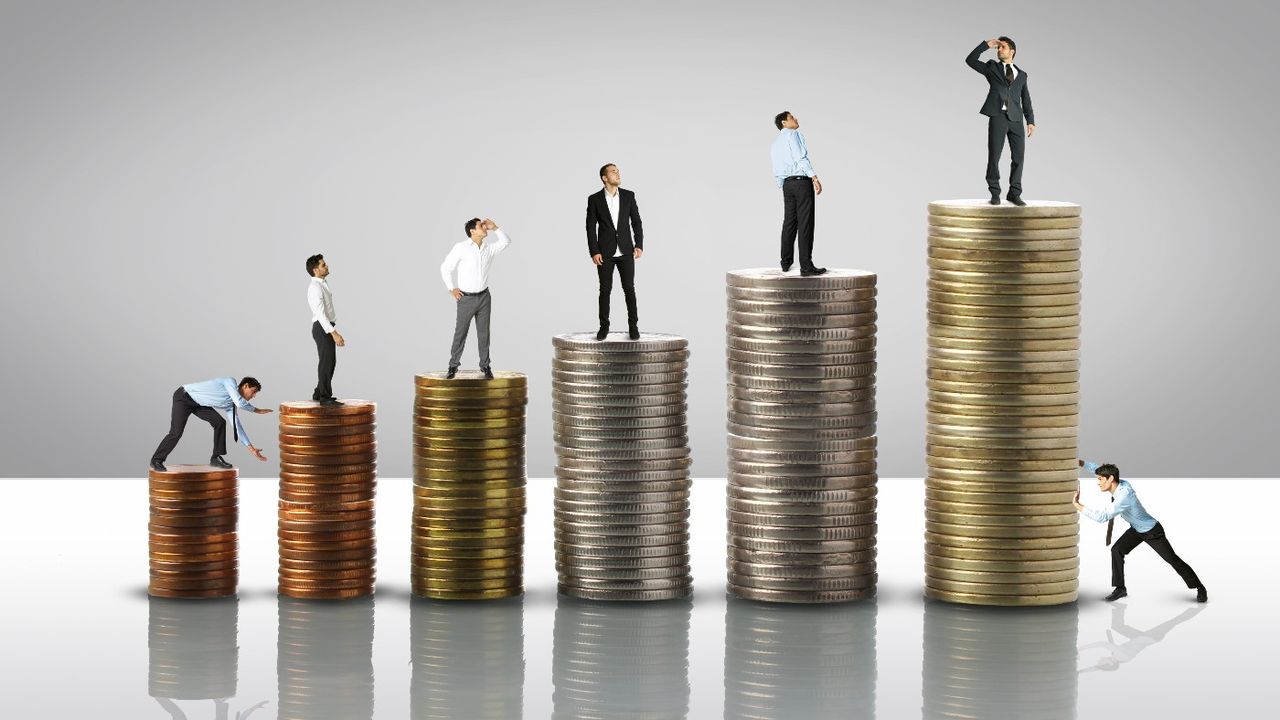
{"points": [[796, 177], [482, 292]]}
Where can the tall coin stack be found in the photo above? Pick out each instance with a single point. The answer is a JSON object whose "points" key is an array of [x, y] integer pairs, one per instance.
{"points": [[327, 482], [469, 486], [468, 660], [324, 660], [1003, 379], [192, 647], [802, 435], [192, 541], [622, 471]]}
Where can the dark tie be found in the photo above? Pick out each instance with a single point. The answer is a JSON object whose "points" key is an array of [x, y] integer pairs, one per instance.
{"points": [[235, 434], [1111, 524], [1008, 74]]}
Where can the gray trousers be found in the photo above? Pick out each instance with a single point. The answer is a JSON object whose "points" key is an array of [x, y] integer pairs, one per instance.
{"points": [[472, 305]]}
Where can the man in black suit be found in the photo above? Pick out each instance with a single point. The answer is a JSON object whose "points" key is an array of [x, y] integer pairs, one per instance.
{"points": [[1008, 103], [611, 215]]}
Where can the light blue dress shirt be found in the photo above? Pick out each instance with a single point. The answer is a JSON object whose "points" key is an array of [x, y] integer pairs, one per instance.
{"points": [[1126, 506], [220, 393], [790, 155]]}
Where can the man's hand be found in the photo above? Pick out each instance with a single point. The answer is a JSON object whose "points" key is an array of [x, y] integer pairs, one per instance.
{"points": [[490, 225], [456, 293], [1081, 462], [993, 44], [261, 411], [338, 339], [1076, 501], [817, 186], [638, 252], [597, 259], [1031, 130], [257, 453]]}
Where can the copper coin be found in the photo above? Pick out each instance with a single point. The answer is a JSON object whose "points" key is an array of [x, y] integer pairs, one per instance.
{"points": [[357, 555], [311, 408], [310, 433], [224, 591]]}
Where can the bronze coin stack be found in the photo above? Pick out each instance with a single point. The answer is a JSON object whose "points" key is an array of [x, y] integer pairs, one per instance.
{"points": [[192, 650], [328, 477], [1003, 403], [468, 660], [194, 550], [324, 660], [469, 486]]}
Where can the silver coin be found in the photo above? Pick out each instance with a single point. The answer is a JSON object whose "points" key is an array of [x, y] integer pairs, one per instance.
{"points": [[801, 410], [835, 278], [621, 423], [606, 475], [627, 585], [782, 505], [628, 541], [801, 572], [626, 595], [751, 432], [610, 389], [801, 496], [782, 532], [815, 584], [794, 469], [792, 385], [801, 546], [574, 441], [805, 372], [803, 457], [810, 559], [628, 575], [624, 563], [639, 379], [640, 512], [806, 521], [759, 332], [594, 549], [764, 307], [622, 454], [801, 347], [863, 420], [770, 320], [623, 466], [621, 357], [607, 370], [749, 357], [828, 397], [614, 530], [620, 498], [619, 342], [801, 443], [799, 295], [788, 596], [603, 434], [624, 486], [569, 401], [622, 413], [773, 482]]}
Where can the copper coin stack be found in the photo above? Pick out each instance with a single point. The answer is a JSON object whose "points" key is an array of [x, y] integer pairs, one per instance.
{"points": [[327, 482], [469, 486], [468, 660], [324, 660], [194, 550], [1003, 403], [192, 650]]}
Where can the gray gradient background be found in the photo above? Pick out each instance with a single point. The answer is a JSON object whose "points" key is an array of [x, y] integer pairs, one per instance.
{"points": [[166, 167]]}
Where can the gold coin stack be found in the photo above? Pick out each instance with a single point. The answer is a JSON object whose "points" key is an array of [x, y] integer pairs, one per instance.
{"points": [[192, 542], [328, 476], [468, 660], [469, 486], [1003, 380], [192, 651], [324, 660]]}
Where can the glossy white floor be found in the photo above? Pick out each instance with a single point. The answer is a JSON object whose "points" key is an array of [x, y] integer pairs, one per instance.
{"points": [[77, 624]]}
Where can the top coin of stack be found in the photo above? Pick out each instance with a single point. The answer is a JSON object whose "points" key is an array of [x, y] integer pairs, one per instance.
{"points": [[327, 480], [469, 485], [1003, 390], [194, 550]]}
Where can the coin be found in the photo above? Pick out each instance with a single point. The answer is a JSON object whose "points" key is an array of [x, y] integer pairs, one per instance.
{"points": [[620, 357], [773, 278], [801, 596]]}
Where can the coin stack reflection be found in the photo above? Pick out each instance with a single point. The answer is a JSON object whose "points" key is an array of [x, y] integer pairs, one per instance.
{"points": [[192, 647], [620, 660], [469, 486], [192, 541], [327, 482], [324, 661], [622, 471], [802, 442], [468, 660], [1003, 388]]}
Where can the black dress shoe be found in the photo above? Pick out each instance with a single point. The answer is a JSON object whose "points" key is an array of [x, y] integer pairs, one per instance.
{"points": [[811, 272], [1116, 594], [453, 372], [158, 466], [603, 332], [995, 199], [488, 373], [786, 267], [331, 402], [1017, 200], [634, 333], [1202, 595], [218, 462]]}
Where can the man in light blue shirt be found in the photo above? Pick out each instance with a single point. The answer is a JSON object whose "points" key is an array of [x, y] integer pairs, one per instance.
{"points": [[799, 183], [204, 400], [1142, 528]]}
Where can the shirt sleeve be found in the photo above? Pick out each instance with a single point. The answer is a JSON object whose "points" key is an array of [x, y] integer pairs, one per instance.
{"points": [[800, 153], [1123, 501], [447, 267], [1091, 467], [315, 299], [502, 242], [233, 391]]}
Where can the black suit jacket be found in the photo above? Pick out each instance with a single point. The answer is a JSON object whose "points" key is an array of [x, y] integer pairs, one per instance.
{"points": [[605, 239], [1014, 96]]}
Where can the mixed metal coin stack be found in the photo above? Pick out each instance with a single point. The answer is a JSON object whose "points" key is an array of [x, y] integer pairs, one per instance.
{"points": [[468, 660], [324, 661], [469, 485], [802, 435], [622, 472], [192, 649], [1003, 389], [328, 477], [192, 541]]}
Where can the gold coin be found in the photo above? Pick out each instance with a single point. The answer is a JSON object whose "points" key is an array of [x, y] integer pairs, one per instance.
{"points": [[999, 493], [1000, 455], [1001, 329], [1009, 577], [437, 594], [1004, 233], [442, 455], [427, 415], [1022, 291], [957, 438], [1043, 480], [464, 555], [980, 209], [1068, 564], [1004, 345], [963, 388], [1000, 600], [1017, 513], [979, 406], [991, 588], [1010, 532], [1003, 266], [1002, 543], [437, 425], [502, 443], [1003, 301], [937, 416], [1029, 223], [1019, 256], [997, 244], [1064, 465], [978, 515], [1002, 554]]}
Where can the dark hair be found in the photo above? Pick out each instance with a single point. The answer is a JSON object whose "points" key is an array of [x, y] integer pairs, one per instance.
{"points": [[251, 382], [603, 169], [1012, 45], [1108, 471], [781, 118], [313, 262], [471, 225]]}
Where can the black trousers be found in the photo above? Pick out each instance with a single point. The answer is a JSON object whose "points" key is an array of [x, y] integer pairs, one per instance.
{"points": [[328, 351], [998, 129], [797, 220], [1156, 539], [626, 265], [183, 408]]}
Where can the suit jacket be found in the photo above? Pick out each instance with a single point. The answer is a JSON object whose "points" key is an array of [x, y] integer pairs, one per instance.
{"points": [[1014, 96], [605, 239]]}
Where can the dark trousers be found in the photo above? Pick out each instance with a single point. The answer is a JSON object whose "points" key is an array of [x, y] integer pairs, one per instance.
{"points": [[999, 128], [797, 220], [626, 265], [328, 351], [472, 305], [183, 408], [1156, 539]]}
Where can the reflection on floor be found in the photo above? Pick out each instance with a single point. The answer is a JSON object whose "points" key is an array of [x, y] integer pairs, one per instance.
{"points": [[324, 661], [468, 659]]}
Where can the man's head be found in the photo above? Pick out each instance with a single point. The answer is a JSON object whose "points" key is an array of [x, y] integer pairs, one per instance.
{"points": [[610, 176], [317, 267], [1007, 49], [785, 119], [249, 386], [1108, 477], [476, 229]]}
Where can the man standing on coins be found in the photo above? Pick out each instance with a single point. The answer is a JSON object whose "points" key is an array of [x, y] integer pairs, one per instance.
{"points": [[204, 400], [323, 329], [466, 275], [1008, 103], [612, 217]]}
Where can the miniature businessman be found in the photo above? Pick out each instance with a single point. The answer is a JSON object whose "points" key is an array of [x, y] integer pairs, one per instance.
{"points": [[323, 329], [1142, 529], [612, 215], [204, 400], [799, 183], [1008, 103], [470, 261]]}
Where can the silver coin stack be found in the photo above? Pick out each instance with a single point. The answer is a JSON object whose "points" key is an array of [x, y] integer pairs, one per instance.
{"points": [[622, 474], [802, 435]]}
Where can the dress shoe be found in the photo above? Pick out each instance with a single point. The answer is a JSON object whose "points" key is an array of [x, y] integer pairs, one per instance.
{"points": [[634, 333], [813, 271], [786, 267], [331, 402], [995, 198], [453, 373], [218, 462], [1116, 594], [1202, 595], [603, 332], [1017, 200], [157, 466], [488, 373]]}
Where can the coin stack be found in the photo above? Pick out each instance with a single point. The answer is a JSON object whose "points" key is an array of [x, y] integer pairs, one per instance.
{"points": [[192, 647], [469, 485], [622, 470], [324, 660], [468, 660], [621, 660], [802, 442], [1003, 379], [785, 661], [193, 546], [327, 482]]}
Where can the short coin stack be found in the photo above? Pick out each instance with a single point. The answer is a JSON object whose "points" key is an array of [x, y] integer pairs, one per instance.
{"points": [[324, 661], [327, 482], [622, 473], [192, 647], [802, 442], [192, 539], [469, 485], [468, 660], [1003, 379]]}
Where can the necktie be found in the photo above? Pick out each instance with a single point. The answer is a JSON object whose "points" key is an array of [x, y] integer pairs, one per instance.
{"points": [[1008, 73], [235, 434], [1111, 524]]}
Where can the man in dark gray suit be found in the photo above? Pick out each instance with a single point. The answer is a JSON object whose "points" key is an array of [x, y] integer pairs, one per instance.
{"points": [[1008, 103], [612, 215]]}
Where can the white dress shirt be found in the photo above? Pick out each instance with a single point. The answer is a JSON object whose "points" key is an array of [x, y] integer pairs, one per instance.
{"points": [[472, 262], [612, 202], [320, 299]]}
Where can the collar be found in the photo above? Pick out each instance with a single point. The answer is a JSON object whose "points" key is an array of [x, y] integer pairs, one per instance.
{"points": [[607, 194], [322, 281]]}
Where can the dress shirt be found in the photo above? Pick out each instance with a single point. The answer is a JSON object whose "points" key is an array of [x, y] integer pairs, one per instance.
{"points": [[472, 263], [320, 298], [790, 155], [220, 393], [1126, 506], [612, 202]]}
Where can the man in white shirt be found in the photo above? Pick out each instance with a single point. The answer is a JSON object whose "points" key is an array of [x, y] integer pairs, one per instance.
{"points": [[323, 330], [465, 271]]}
